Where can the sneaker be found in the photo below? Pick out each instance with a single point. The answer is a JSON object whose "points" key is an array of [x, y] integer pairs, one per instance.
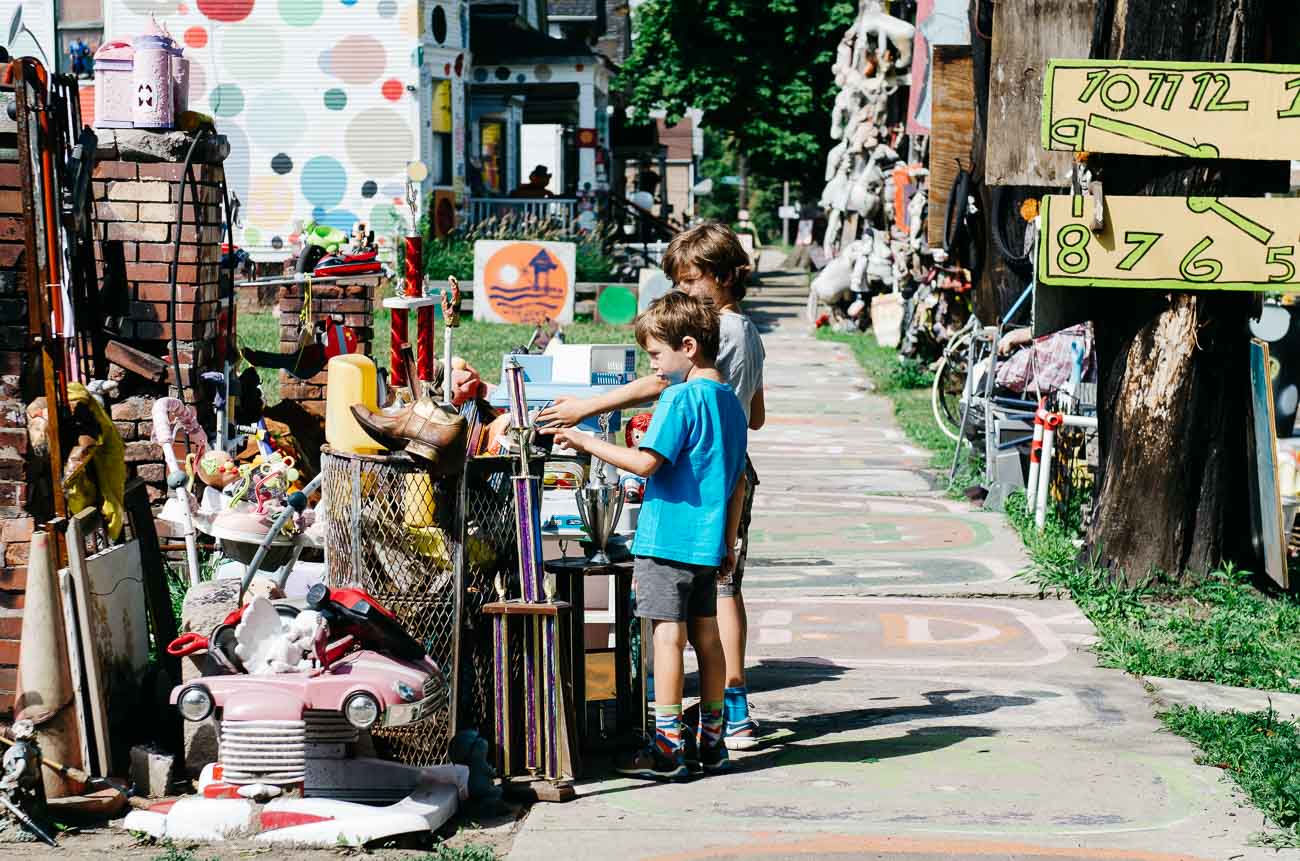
{"points": [[691, 751], [741, 735], [714, 758], [649, 762]]}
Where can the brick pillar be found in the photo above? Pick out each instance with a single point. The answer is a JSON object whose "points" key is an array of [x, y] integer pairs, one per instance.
{"points": [[135, 204], [15, 522], [350, 301]]}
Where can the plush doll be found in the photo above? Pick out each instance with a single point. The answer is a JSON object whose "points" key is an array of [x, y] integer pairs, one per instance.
{"points": [[636, 429]]}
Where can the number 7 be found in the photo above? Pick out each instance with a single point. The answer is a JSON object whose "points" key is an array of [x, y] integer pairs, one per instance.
{"points": [[1142, 243]]}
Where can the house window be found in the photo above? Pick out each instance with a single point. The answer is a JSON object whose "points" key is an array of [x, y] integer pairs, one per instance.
{"points": [[441, 127]]}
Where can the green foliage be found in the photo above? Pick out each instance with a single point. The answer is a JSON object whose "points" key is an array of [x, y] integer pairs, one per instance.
{"points": [[722, 204], [454, 254], [173, 853], [1261, 752], [468, 852], [759, 69], [1220, 629]]}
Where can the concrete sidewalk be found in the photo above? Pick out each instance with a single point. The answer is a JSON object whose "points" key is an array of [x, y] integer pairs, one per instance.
{"points": [[919, 701]]}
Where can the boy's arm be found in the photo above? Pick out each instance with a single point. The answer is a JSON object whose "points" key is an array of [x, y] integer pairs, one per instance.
{"points": [[567, 412], [640, 461], [757, 410], [735, 507]]}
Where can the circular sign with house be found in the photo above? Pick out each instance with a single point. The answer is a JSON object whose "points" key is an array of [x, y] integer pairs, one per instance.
{"points": [[523, 282]]}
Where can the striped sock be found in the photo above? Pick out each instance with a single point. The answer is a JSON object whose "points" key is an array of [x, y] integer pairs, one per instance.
{"points": [[711, 723], [737, 704], [668, 730]]}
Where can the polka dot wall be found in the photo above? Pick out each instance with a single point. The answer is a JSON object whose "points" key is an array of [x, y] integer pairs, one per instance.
{"points": [[317, 98]]}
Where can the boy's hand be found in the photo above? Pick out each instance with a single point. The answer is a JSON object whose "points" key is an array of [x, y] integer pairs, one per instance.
{"points": [[728, 566], [565, 412], [569, 438]]}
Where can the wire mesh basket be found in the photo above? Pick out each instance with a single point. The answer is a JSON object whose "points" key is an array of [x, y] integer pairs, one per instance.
{"points": [[398, 533]]}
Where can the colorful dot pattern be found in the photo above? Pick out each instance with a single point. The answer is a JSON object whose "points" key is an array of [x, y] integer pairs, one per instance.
{"points": [[313, 96]]}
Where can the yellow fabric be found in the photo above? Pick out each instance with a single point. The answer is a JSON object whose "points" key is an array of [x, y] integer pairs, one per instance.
{"points": [[110, 468]]}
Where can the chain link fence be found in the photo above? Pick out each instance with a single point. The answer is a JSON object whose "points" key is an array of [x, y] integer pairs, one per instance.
{"points": [[399, 534]]}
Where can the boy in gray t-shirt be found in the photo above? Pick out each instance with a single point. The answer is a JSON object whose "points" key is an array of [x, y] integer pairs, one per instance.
{"points": [[708, 262]]}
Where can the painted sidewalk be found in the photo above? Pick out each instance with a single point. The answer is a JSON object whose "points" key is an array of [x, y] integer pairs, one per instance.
{"points": [[919, 702]]}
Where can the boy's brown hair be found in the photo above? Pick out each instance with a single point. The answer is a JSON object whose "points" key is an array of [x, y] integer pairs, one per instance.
{"points": [[714, 249], [676, 315]]}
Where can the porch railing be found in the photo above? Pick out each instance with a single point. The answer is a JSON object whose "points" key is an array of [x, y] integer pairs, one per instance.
{"points": [[554, 213]]}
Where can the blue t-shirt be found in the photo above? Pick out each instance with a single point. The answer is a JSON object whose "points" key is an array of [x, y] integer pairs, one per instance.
{"points": [[700, 430]]}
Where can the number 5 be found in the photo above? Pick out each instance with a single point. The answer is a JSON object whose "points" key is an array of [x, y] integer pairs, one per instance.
{"points": [[1280, 255]]}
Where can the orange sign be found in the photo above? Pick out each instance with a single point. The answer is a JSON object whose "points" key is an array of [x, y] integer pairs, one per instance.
{"points": [[525, 282]]}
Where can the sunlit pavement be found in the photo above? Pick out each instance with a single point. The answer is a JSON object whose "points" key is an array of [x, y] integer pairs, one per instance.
{"points": [[919, 702]]}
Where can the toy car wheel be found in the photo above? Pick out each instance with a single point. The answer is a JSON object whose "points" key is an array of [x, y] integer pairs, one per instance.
{"points": [[195, 703], [362, 710]]}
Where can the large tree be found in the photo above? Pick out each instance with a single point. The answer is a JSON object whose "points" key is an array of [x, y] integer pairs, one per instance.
{"points": [[759, 69], [1173, 389]]}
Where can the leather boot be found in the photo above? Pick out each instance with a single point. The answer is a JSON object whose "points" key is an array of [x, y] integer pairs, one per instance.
{"points": [[426, 430]]}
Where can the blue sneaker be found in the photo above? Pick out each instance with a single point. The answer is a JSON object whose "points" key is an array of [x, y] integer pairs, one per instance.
{"points": [[741, 735], [649, 762]]}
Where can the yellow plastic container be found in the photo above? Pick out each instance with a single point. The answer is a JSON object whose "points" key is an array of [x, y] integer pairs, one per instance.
{"points": [[351, 380], [418, 500]]}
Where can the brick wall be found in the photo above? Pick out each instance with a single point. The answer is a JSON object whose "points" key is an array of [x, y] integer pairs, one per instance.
{"points": [[350, 301], [135, 204]]}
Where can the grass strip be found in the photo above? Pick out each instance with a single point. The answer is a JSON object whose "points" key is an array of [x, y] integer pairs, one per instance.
{"points": [[1259, 751]]}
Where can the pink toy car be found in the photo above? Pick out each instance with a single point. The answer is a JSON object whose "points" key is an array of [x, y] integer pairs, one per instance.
{"points": [[388, 682], [369, 689]]}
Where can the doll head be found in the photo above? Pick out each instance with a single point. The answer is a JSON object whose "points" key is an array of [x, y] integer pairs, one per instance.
{"points": [[636, 429]]}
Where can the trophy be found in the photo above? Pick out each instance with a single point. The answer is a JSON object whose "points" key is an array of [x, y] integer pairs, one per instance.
{"points": [[600, 504]]}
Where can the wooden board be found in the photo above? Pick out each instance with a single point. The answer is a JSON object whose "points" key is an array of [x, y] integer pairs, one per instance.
{"points": [[1269, 536], [1171, 243], [1026, 34], [1172, 108], [953, 124]]}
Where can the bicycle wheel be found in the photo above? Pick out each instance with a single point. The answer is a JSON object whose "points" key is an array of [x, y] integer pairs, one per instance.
{"points": [[948, 387]]}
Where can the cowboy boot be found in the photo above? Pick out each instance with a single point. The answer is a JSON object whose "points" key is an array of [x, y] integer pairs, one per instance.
{"points": [[425, 430]]}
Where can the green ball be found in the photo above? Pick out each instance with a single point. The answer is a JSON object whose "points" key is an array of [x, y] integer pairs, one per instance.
{"points": [[616, 305]]}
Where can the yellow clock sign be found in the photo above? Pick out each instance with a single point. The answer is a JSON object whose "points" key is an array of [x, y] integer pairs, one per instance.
{"points": [[1171, 243], [1172, 108]]}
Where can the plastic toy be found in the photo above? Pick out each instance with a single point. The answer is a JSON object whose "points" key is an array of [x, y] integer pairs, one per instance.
{"points": [[299, 689]]}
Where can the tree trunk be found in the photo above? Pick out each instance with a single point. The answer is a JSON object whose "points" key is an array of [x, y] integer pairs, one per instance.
{"points": [[1173, 375]]}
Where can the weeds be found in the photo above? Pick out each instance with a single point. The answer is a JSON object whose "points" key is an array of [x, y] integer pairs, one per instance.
{"points": [[469, 852], [1259, 751], [1219, 629]]}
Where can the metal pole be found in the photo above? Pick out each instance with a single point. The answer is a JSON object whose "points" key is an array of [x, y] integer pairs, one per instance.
{"points": [[785, 222]]}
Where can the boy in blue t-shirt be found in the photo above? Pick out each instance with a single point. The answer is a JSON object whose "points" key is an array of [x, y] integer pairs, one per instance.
{"points": [[693, 456]]}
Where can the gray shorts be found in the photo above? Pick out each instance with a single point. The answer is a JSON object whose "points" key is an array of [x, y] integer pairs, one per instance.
{"points": [[729, 587], [669, 591]]}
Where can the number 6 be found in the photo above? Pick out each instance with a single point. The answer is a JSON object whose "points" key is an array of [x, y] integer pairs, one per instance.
{"points": [[1200, 270]]}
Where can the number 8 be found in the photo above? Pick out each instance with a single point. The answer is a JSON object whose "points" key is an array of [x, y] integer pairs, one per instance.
{"points": [[1072, 258]]}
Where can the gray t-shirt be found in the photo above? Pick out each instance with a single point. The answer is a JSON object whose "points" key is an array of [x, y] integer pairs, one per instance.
{"points": [[740, 357]]}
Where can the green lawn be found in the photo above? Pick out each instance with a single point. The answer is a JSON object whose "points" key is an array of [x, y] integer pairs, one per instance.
{"points": [[480, 344]]}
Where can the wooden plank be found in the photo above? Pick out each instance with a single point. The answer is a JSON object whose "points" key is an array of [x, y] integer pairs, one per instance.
{"points": [[1267, 510], [1171, 243], [1172, 108], [953, 122], [1026, 34]]}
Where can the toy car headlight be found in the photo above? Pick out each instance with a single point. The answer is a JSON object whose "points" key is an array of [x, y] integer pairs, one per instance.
{"points": [[195, 703], [361, 710]]}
